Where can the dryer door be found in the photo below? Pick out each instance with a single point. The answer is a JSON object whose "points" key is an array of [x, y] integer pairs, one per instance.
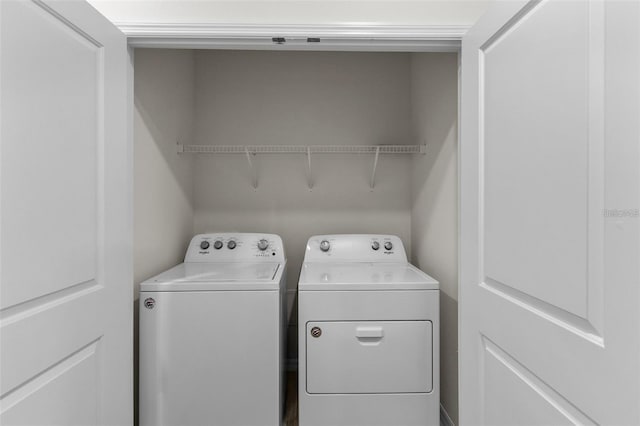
{"points": [[369, 357]]}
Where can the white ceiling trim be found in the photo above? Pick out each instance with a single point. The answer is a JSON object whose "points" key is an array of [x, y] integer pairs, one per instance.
{"points": [[296, 37]]}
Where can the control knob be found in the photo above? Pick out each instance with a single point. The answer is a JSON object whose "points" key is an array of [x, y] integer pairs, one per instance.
{"points": [[263, 245], [204, 245], [375, 245], [325, 245], [388, 245], [231, 245], [217, 245]]}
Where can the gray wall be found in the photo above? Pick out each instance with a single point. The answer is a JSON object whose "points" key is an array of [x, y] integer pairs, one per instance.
{"points": [[302, 98], [163, 182], [434, 195]]}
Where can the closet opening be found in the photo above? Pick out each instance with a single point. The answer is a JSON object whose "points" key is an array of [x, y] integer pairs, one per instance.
{"points": [[315, 142]]}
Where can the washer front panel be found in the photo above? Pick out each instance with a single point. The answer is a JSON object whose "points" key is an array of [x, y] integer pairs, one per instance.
{"points": [[210, 358]]}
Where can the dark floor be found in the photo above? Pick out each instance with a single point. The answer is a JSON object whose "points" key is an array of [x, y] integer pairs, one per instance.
{"points": [[291, 404]]}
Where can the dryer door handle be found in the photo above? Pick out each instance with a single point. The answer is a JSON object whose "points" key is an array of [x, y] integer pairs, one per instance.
{"points": [[369, 332]]}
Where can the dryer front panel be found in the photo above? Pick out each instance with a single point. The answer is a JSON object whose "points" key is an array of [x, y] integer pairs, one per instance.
{"points": [[360, 357]]}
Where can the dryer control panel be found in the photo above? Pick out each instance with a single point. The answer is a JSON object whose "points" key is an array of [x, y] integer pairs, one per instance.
{"points": [[355, 248], [235, 247]]}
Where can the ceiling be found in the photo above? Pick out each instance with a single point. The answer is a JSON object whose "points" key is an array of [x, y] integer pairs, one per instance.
{"points": [[313, 12]]}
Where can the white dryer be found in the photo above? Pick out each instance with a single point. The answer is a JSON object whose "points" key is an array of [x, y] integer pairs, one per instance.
{"points": [[368, 335], [212, 333]]}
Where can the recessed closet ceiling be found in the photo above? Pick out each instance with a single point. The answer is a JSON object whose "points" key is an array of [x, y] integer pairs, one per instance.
{"points": [[418, 12]]}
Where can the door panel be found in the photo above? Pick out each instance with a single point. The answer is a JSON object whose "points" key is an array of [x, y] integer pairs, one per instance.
{"points": [[27, 332], [521, 397], [66, 394], [54, 190], [538, 139], [548, 335], [66, 291]]}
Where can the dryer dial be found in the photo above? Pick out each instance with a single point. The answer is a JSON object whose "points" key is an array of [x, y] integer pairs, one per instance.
{"points": [[325, 245], [263, 245]]}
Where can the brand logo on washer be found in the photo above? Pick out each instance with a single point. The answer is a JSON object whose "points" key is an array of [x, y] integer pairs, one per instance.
{"points": [[149, 303], [316, 332]]}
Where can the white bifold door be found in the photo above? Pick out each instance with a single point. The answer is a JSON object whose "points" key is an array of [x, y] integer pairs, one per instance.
{"points": [[550, 226], [66, 290]]}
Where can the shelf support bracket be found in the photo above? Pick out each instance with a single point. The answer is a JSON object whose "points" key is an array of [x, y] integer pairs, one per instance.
{"points": [[252, 170], [372, 184], [309, 174]]}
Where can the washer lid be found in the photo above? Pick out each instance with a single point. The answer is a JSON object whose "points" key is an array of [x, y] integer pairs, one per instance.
{"points": [[196, 276], [364, 276]]}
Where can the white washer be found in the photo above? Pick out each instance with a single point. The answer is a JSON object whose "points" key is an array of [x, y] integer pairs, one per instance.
{"points": [[212, 333], [368, 335]]}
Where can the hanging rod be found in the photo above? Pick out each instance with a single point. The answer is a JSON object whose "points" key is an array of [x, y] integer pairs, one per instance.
{"points": [[301, 149]]}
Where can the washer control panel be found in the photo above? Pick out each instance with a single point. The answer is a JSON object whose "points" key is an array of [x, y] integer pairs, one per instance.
{"points": [[355, 248], [235, 247]]}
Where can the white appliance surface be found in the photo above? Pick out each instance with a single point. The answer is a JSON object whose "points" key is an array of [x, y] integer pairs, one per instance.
{"points": [[364, 276], [355, 248], [368, 335], [373, 357], [207, 356], [217, 276], [235, 247], [212, 335]]}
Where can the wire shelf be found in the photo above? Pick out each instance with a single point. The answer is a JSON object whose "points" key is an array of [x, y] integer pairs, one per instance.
{"points": [[250, 150], [301, 149]]}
